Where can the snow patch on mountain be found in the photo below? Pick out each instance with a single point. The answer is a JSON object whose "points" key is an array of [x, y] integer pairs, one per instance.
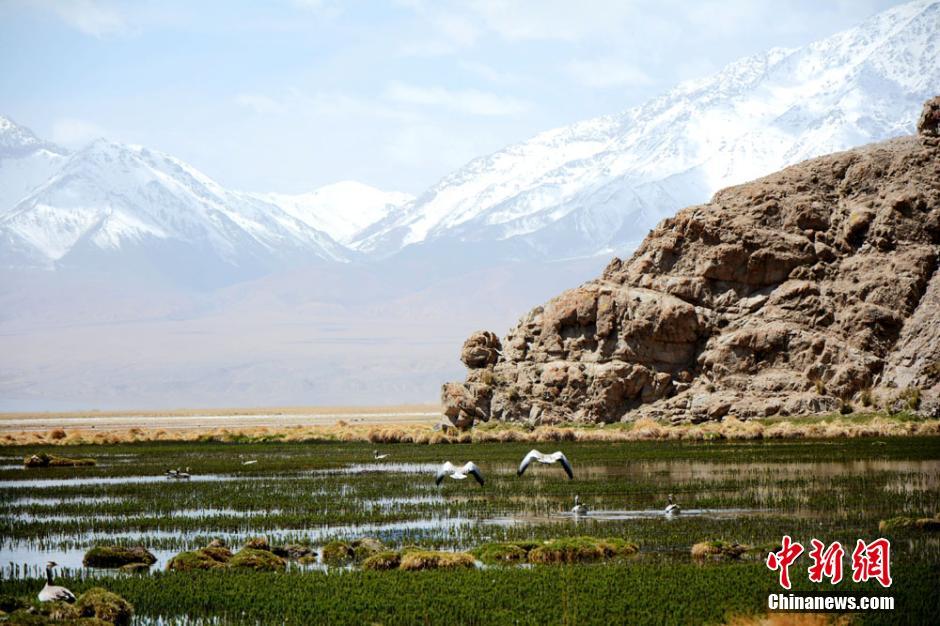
{"points": [[25, 162], [341, 209]]}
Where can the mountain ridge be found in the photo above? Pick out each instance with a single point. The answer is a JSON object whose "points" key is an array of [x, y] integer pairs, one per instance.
{"points": [[682, 152]]}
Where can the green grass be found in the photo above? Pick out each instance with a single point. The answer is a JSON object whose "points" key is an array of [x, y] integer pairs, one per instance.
{"points": [[636, 592]]}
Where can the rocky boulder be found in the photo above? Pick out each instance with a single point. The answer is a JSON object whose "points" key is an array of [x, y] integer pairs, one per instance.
{"points": [[808, 290]]}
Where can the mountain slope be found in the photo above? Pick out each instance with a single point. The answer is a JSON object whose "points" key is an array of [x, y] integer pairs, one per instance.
{"points": [[599, 185], [25, 162], [341, 209], [112, 206]]}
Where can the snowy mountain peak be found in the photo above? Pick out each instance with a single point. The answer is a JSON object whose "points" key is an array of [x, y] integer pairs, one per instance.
{"points": [[111, 200], [19, 141], [600, 184], [341, 209]]}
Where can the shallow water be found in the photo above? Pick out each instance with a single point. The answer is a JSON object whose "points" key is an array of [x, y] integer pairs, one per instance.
{"points": [[41, 483]]}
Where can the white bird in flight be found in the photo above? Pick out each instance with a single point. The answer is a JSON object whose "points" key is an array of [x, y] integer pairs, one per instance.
{"points": [[377, 456], [672, 508], [547, 459], [251, 462], [54, 593], [449, 469]]}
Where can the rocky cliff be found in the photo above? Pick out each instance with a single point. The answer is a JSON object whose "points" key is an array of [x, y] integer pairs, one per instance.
{"points": [[812, 289]]}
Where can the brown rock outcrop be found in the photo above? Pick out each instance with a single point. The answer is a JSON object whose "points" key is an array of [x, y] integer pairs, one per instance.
{"points": [[799, 292]]}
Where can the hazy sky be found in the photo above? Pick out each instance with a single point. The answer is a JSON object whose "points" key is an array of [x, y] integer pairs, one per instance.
{"points": [[291, 95]]}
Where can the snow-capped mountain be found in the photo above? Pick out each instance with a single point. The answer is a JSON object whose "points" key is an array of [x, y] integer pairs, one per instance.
{"points": [[25, 162], [599, 185], [341, 209], [139, 210]]}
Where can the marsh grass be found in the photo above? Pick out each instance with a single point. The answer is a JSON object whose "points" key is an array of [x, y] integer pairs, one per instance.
{"points": [[302, 493], [633, 592]]}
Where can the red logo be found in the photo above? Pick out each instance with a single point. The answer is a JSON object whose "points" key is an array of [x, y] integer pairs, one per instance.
{"points": [[785, 557], [826, 563], [872, 560], [869, 560]]}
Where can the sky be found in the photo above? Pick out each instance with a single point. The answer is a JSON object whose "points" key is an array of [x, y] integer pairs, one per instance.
{"points": [[291, 95]]}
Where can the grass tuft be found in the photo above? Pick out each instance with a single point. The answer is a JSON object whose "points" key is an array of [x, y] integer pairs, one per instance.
{"points": [[416, 560]]}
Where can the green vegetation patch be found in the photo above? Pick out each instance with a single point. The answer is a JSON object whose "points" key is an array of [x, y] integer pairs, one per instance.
{"points": [[416, 560], [382, 561], [356, 551], [50, 460], [105, 605], [117, 556], [929, 524], [195, 560], [504, 553], [581, 550], [718, 550], [257, 560]]}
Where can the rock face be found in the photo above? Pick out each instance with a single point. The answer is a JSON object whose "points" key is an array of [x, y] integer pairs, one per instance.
{"points": [[800, 292]]}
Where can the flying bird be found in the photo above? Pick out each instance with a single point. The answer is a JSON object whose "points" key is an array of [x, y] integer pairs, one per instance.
{"points": [[547, 459], [54, 593], [449, 469], [672, 508], [251, 462], [377, 456]]}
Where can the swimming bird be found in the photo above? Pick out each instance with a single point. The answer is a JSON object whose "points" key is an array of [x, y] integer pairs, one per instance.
{"points": [[579, 509], [449, 469], [547, 459], [672, 508], [178, 474], [53, 593], [377, 456]]}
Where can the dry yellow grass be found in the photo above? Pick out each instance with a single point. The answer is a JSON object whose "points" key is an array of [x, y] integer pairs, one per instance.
{"points": [[423, 433]]}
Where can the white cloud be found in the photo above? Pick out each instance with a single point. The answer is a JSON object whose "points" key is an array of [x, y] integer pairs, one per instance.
{"points": [[75, 133], [471, 101], [259, 103], [91, 17], [607, 72]]}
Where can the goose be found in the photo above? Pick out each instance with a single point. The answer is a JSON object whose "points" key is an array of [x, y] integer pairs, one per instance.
{"points": [[672, 508], [579, 509], [377, 456], [53, 593], [178, 474], [449, 469], [547, 459]]}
